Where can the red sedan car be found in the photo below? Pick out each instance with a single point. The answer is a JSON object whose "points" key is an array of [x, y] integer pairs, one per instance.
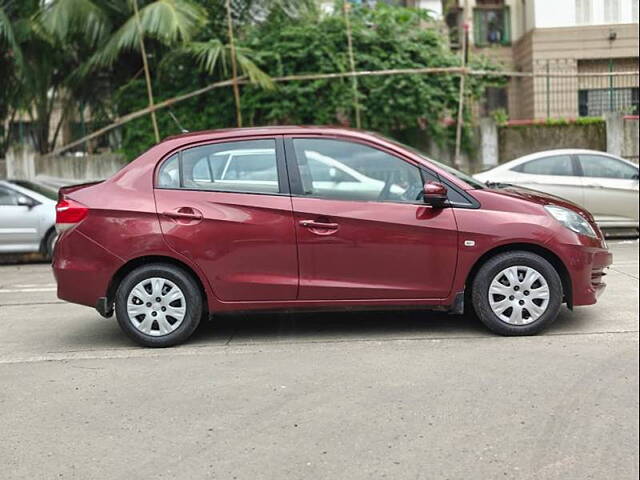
{"points": [[316, 218]]}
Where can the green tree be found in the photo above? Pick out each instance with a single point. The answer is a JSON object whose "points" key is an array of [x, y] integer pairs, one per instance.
{"points": [[383, 38]]}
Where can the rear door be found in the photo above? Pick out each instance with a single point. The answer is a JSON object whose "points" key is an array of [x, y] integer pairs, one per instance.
{"points": [[19, 224], [226, 206], [611, 189], [363, 230], [555, 174]]}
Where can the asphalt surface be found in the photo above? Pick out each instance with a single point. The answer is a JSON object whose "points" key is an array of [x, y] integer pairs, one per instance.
{"points": [[342, 396]]}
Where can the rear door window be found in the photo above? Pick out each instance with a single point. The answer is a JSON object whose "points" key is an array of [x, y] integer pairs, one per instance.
{"points": [[244, 166]]}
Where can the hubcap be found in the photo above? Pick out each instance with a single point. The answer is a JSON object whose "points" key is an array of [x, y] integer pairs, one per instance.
{"points": [[156, 306], [519, 295]]}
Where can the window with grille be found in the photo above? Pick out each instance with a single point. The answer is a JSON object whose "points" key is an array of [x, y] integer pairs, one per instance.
{"points": [[492, 26], [597, 101]]}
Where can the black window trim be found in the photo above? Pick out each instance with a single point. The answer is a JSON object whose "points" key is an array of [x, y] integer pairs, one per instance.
{"points": [[295, 181], [281, 169]]}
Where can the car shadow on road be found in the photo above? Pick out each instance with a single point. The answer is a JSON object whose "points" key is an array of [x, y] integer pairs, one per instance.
{"points": [[257, 328], [362, 326], [335, 326]]}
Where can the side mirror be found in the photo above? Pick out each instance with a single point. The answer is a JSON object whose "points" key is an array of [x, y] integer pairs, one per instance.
{"points": [[435, 194], [23, 201]]}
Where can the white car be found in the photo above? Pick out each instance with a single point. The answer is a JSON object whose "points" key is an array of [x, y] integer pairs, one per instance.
{"points": [[27, 217], [604, 184]]}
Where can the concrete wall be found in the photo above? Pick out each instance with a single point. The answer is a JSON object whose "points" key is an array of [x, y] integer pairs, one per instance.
{"points": [[20, 162], [3, 168], [631, 139], [23, 163], [518, 140], [90, 167]]}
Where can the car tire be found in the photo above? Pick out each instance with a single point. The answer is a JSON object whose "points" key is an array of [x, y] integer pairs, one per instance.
{"points": [[50, 243], [158, 305], [509, 301]]}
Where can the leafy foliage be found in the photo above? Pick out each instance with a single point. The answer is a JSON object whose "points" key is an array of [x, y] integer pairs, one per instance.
{"points": [[83, 56]]}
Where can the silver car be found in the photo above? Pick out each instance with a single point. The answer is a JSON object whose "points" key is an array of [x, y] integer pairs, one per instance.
{"points": [[604, 184], [27, 217]]}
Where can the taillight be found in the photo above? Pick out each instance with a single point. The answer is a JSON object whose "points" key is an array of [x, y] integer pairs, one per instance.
{"points": [[69, 213]]}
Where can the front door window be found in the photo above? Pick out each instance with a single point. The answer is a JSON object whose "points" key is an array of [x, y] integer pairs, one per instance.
{"points": [[340, 170]]}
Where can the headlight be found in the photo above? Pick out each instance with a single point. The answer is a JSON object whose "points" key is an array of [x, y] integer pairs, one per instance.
{"points": [[572, 220]]}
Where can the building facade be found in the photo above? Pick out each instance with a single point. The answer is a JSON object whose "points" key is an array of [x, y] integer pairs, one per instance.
{"points": [[577, 46]]}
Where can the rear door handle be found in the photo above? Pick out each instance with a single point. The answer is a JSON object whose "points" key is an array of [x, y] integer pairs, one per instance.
{"points": [[184, 213], [314, 224]]}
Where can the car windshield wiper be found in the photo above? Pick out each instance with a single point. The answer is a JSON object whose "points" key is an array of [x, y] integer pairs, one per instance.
{"points": [[498, 184]]}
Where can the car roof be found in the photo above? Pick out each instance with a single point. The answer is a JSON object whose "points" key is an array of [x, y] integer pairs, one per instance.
{"points": [[559, 151], [274, 130]]}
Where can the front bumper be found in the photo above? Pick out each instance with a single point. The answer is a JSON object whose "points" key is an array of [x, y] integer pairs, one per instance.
{"points": [[587, 267]]}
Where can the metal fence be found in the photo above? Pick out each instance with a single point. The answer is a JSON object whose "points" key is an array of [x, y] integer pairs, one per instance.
{"points": [[589, 88]]}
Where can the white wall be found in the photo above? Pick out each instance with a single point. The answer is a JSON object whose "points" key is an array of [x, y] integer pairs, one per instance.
{"points": [[562, 13], [434, 5]]}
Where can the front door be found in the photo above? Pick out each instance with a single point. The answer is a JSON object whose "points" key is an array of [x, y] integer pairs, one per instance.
{"points": [[363, 232], [555, 174], [225, 206]]}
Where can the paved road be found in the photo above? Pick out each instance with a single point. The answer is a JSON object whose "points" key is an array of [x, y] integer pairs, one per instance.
{"points": [[341, 396]]}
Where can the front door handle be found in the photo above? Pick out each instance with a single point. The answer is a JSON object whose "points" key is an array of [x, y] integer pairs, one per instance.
{"points": [[319, 225]]}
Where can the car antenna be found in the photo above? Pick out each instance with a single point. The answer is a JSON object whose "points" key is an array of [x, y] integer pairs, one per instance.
{"points": [[182, 129]]}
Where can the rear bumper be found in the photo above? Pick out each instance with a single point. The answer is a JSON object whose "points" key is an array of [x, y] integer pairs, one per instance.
{"points": [[83, 269], [587, 267]]}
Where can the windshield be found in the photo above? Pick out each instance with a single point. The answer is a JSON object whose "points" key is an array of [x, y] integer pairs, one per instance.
{"points": [[456, 173], [38, 188]]}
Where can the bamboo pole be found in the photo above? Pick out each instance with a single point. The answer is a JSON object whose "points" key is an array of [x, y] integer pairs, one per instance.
{"points": [[118, 122], [457, 161], [234, 66], [313, 76], [352, 63], [147, 74]]}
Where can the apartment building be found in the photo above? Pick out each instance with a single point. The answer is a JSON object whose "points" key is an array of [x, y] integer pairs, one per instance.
{"points": [[554, 37]]}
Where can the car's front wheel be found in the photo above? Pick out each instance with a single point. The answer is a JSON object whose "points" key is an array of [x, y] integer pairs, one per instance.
{"points": [[158, 305], [517, 293]]}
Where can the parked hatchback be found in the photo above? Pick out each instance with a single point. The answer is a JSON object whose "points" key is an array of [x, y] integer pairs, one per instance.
{"points": [[604, 184], [316, 218]]}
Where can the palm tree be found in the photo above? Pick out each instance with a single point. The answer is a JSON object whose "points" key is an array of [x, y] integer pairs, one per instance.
{"points": [[7, 34], [166, 21], [125, 28], [70, 48]]}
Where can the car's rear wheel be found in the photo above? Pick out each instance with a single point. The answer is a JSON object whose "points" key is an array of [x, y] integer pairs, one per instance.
{"points": [[158, 305], [517, 293]]}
